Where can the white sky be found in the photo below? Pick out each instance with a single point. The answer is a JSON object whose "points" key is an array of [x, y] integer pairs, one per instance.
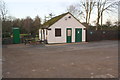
{"points": [[23, 8], [40, 1], [32, 8]]}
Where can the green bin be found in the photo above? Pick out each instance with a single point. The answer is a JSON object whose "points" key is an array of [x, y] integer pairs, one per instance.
{"points": [[16, 35]]}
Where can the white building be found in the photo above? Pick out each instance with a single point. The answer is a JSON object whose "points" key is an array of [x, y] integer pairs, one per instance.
{"points": [[64, 28]]}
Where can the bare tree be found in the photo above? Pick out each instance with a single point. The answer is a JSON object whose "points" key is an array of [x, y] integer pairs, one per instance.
{"points": [[119, 13], [108, 23], [50, 16], [3, 10], [74, 10], [84, 8], [105, 5], [87, 6]]}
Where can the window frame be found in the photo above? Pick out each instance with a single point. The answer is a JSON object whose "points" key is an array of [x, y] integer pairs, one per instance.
{"points": [[58, 34]]}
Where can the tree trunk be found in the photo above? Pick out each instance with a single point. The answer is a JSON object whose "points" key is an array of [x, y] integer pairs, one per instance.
{"points": [[98, 19], [98, 15], [86, 17], [89, 17]]}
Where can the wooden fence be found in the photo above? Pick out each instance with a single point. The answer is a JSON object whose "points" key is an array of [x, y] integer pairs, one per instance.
{"points": [[93, 35]]}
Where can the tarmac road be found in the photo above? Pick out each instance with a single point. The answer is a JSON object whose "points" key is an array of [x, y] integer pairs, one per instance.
{"points": [[81, 60]]}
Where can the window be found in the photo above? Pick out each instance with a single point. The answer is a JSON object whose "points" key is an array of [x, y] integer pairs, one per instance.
{"points": [[57, 32], [69, 17], [69, 33]]}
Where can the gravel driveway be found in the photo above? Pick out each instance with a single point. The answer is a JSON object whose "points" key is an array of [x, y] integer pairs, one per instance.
{"points": [[81, 60]]}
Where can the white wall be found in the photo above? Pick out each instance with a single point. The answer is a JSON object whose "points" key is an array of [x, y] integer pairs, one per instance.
{"points": [[41, 35], [63, 24]]}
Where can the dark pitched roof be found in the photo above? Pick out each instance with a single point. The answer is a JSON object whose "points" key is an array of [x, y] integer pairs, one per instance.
{"points": [[53, 20]]}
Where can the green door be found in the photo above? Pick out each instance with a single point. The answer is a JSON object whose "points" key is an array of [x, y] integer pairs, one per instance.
{"points": [[16, 35], [69, 35], [78, 35]]}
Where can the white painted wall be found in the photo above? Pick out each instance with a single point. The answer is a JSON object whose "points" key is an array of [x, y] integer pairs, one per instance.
{"points": [[40, 37], [63, 24]]}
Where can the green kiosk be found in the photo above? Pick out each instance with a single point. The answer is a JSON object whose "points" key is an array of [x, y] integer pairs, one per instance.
{"points": [[16, 35]]}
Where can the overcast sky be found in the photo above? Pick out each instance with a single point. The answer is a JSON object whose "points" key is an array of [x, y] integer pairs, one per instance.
{"points": [[23, 8]]}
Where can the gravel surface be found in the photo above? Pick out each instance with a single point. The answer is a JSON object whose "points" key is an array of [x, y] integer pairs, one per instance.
{"points": [[81, 60]]}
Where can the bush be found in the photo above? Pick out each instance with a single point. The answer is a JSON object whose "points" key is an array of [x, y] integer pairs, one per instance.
{"points": [[24, 35], [6, 35]]}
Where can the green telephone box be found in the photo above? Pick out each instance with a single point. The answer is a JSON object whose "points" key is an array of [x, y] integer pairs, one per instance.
{"points": [[16, 35]]}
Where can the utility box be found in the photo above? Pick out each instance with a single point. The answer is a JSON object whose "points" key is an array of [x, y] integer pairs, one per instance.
{"points": [[16, 35]]}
